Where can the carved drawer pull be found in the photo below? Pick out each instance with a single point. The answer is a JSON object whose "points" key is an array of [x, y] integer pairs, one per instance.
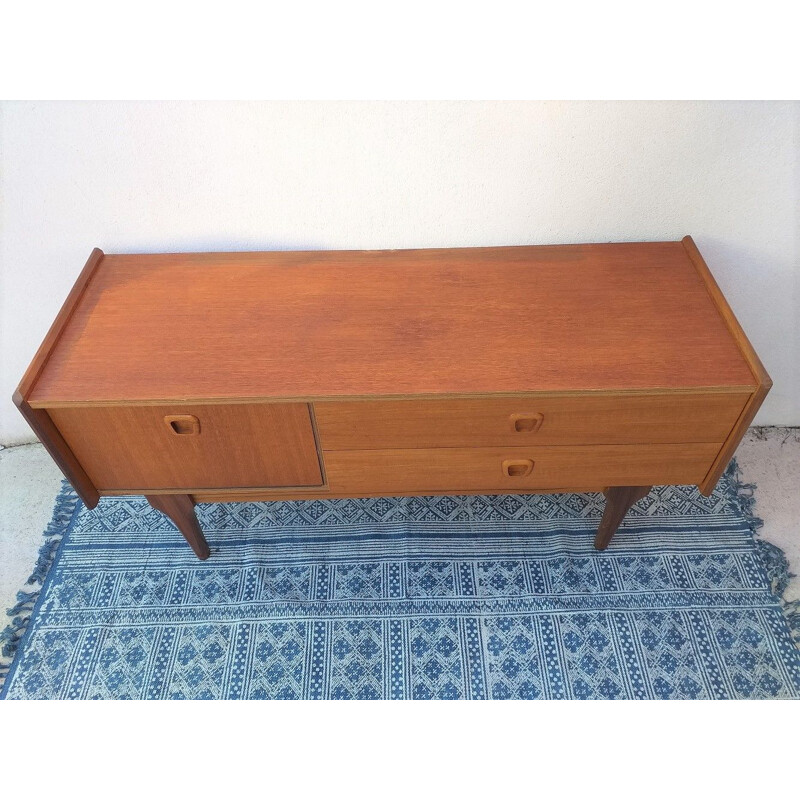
{"points": [[183, 424], [526, 423], [517, 467]]}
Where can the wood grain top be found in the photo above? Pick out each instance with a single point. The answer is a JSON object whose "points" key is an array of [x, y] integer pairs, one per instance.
{"points": [[305, 325]]}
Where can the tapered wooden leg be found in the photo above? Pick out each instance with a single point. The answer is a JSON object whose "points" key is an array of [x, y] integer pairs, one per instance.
{"points": [[180, 509], [619, 499]]}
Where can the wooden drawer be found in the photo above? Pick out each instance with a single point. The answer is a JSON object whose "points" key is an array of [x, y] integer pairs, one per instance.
{"points": [[516, 421], [192, 446], [506, 469]]}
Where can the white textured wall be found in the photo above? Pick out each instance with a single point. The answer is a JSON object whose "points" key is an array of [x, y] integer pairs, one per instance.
{"points": [[138, 177]]}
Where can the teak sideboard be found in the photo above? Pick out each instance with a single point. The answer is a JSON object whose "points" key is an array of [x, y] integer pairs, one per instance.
{"points": [[223, 377]]}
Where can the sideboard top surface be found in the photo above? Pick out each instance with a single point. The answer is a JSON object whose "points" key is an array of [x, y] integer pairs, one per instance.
{"points": [[633, 316]]}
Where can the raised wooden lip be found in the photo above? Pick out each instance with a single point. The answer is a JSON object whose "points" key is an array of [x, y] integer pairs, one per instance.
{"points": [[61, 321], [740, 337], [255, 253], [39, 420]]}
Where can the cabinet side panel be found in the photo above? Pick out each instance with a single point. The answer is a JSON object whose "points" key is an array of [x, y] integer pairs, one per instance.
{"points": [[763, 380], [732, 442], [49, 435], [39, 419]]}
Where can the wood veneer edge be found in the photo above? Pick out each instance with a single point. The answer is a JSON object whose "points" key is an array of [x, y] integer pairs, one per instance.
{"points": [[38, 418], [726, 312], [53, 335], [376, 397], [323, 250], [257, 496], [762, 378], [317, 443]]}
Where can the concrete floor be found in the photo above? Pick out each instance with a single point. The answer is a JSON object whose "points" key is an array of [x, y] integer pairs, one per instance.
{"points": [[29, 482]]}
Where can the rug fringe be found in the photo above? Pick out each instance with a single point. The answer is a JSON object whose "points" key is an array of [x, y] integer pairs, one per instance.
{"points": [[65, 505], [772, 557]]}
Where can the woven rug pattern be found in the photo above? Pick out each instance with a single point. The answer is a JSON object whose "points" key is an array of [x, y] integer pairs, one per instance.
{"points": [[432, 597]]}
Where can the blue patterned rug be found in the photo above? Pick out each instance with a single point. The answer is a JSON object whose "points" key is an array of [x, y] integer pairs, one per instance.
{"points": [[436, 597]]}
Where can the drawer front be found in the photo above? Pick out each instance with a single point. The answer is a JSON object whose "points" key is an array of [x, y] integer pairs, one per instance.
{"points": [[192, 446], [516, 469], [552, 419]]}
